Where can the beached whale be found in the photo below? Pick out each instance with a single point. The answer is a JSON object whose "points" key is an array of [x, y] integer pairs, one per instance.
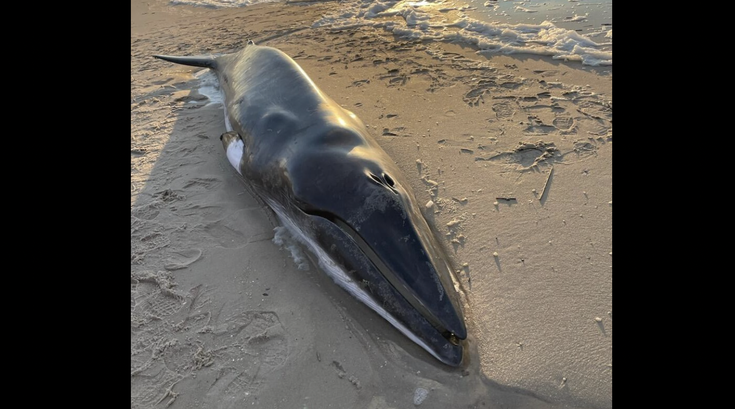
{"points": [[330, 183]]}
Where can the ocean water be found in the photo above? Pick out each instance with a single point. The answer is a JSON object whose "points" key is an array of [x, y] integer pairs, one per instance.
{"points": [[221, 3], [569, 30]]}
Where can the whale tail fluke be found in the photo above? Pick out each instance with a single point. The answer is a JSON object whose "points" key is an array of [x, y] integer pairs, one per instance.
{"points": [[205, 61]]}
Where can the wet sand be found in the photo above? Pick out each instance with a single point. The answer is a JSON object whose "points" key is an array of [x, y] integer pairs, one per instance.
{"points": [[514, 154]]}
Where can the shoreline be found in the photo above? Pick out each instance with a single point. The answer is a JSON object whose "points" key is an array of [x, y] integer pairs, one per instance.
{"points": [[466, 129]]}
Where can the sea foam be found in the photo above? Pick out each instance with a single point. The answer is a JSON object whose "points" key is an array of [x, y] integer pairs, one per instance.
{"points": [[424, 20]]}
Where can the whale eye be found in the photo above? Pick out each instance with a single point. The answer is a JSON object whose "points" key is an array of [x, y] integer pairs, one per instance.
{"points": [[389, 180]]}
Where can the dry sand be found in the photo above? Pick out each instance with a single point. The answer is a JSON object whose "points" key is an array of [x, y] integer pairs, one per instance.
{"points": [[223, 317]]}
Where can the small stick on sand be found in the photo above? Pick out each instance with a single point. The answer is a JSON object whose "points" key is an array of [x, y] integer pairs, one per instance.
{"points": [[546, 185]]}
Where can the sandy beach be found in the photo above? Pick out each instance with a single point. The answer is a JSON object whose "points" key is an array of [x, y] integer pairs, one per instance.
{"points": [[512, 156]]}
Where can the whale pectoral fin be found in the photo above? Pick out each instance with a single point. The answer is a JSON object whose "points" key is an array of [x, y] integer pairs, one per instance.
{"points": [[234, 147]]}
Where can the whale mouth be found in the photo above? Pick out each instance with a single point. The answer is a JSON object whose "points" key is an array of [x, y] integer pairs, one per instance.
{"points": [[389, 275]]}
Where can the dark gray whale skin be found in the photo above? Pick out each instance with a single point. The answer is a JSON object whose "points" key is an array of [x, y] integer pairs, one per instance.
{"points": [[315, 163]]}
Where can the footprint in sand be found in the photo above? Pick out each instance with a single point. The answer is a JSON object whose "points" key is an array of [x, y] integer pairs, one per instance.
{"points": [[182, 259], [526, 155], [563, 123], [225, 236], [240, 227], [248, 344], [259, 334], [153, 296], [503, 110], [537, 127], [234, 352], [147, 211], [475, 96], [584, 147]]}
